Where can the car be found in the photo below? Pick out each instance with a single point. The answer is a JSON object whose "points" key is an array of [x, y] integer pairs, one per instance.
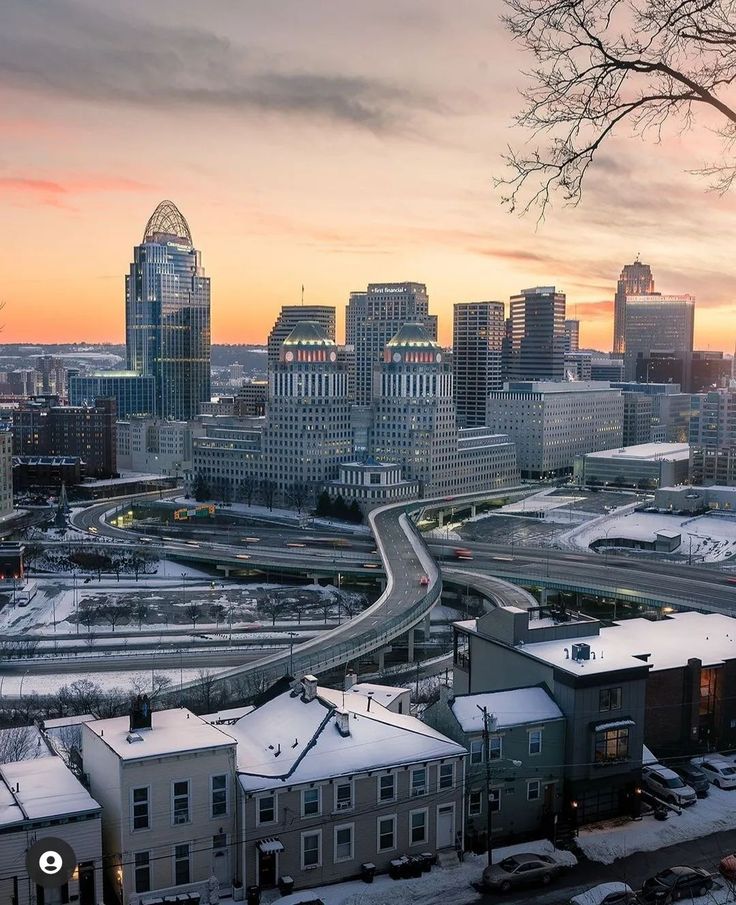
{"points": [[727, 868], [606, 894], [666, 785], [523, 869], [695, 778], [675, 883], [718, 770], [424, 581]]}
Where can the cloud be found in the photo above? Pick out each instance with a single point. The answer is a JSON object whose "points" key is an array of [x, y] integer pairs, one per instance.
{"points": [[82, 52], [56, 194]]}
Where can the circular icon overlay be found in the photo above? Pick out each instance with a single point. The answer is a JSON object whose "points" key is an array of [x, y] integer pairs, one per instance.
{"points": [[50, 862]]}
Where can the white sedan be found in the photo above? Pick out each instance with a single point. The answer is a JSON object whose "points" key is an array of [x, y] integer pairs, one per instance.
{"points": [[721, 773], [606, 894]]}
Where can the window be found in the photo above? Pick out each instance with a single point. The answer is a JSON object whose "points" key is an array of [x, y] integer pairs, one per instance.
{"points": [[533, 790], [386, 833], [180, 794], [344, 843], [310, 802], [140, 806], [535, 741], [609, 699], [142, 871], [475, 800], [419, 781], [181, 864], [447, 776], [495, 747], [612, 745], [494, 800], [343, 796], [387, 787], [417, 827], [218, 795], [311, 850], [476, 751], [266, 808]]}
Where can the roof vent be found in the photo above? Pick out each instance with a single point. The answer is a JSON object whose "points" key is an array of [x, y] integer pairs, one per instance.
{"points": [[581, 651], [133, 737]]}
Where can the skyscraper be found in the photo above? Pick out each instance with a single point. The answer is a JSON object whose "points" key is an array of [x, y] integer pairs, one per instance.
{"points": [[477, 340], [167, 314], [635, 279], [537, 334], [376, 315], [657, 323], [572, 336], [289, 317]]}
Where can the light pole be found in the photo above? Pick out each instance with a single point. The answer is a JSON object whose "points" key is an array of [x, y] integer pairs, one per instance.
{"points": [[292, 635]]}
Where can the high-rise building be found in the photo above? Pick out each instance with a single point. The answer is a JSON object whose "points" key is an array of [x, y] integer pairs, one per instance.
{"points": [[538, 334], [307, 432], [572, 336], [373, 317], [579, 366], [607, 369], [635, 279], [477, 341], [713, 438], [695, 372], [167, 314], [6, 470], [289, 317], [656, 323], [134, 394]]}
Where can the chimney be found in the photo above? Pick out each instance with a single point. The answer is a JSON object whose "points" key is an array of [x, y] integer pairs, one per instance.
{"points": [[342, 721], [310, 688], [140, 713], [350, 679]]}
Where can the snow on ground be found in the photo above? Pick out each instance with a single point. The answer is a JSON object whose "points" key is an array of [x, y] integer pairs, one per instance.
{"points": [[713, 536], [49, 683]]}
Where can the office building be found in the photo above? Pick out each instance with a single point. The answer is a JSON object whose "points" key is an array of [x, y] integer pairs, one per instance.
{"points": [[635, 279], [52, 375], [578, 366], [227, 459], [289, 317], [167, 315], [713, 438], [371, 484], [638, 418], [695, 372], [572, 336], [477, 340], [373, 317], [134, 394], [657, 323], [6, 470], [153, 446], [537, 334], [551, 423], [610, 369], [251, 399], [646, 466]]}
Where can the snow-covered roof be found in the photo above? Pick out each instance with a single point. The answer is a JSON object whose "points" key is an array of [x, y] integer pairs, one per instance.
{"points": [[290, 740], [644, 451], [507, 708], [41, 790], [63, 721], [228, 715], [172, 732], [383, 694]]}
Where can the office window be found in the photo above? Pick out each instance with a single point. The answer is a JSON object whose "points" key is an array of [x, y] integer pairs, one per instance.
{"points": [[609, 699], [140, 806], [218, 793], [419, 781], [387, 787], [343, 796], [447, 776], [180, 794], [142, 871], [535, 741], [417, 827], [476, 751], [344, 843], [495, 747], [386, 833], [181, 864], [494, 800], [533, 790], [475, 800], [311, 850], [266, 808], [310, 802]]}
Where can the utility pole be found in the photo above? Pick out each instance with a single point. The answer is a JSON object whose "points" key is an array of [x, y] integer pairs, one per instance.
{"points": [[487, 762]]}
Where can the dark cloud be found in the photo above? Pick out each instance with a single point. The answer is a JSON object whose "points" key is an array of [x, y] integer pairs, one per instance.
{"points": [[77, 51]]}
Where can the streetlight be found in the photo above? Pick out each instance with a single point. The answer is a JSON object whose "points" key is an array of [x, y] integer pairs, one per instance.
{"points": [[487, 760]]}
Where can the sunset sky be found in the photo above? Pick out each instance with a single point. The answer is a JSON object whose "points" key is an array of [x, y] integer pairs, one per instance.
{"points": [[329, 144]]}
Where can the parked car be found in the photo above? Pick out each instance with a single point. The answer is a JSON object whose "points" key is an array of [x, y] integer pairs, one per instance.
{"points": [[719, 771], [606, 894], [727, 868], [667, 785], [520, 870], [695, 778], [674, 883]]}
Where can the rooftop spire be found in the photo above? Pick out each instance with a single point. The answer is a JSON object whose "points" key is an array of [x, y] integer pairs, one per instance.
{"points": [[167, 220]]}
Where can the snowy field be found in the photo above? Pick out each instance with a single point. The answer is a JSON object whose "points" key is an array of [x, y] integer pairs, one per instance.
{"points": [[127, 680]]}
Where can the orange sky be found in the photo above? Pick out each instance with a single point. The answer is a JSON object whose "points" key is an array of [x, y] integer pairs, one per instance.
{"points": [[328, 144]]}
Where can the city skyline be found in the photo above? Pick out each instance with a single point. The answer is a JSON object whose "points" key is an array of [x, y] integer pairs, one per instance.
{"points": [[392, 180]]}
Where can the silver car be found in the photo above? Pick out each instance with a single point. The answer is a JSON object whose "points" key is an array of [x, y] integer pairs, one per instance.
{"points": [[521, 870]]}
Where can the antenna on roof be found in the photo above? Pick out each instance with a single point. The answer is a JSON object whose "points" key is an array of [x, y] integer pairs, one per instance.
{"points": [[302, 295]]}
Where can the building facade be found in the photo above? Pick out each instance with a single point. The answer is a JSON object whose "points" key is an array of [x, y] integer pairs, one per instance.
{"points": [[167, 315], [6, 471], [153, 446], [477, 339], [654, 323], [572, 335], [647, 466], [635, 279], [134, 394], [372, 484], [713, 438], [289, 317], [537, 334]]}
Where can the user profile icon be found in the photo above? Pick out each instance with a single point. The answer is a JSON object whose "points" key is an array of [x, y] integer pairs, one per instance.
{"points": [[50, 862]]}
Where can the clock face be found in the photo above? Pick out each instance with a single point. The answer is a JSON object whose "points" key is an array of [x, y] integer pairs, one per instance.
{"points": [[397, 356], [289, 356], [333, 356], [438, 357]]}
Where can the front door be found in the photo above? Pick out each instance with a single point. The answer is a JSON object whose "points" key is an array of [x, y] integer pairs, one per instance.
{"points": [[87, 884], [266, 869], [445, 826], [221, 861]]}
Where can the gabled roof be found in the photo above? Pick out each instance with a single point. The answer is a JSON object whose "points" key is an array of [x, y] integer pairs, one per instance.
{"points": [[518, 707]]}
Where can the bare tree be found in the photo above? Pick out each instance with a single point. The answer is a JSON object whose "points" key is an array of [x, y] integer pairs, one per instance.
{"points": [[115, 613], [298, 494], [140, 611], [268, 492], [270, 606], [193, 612], [16, 743], [217, 612], [611, 64], [88, 615], [248, 487]]}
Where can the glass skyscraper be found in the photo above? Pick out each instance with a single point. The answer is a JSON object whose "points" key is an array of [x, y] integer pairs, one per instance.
{"points": [[167, 315]]}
